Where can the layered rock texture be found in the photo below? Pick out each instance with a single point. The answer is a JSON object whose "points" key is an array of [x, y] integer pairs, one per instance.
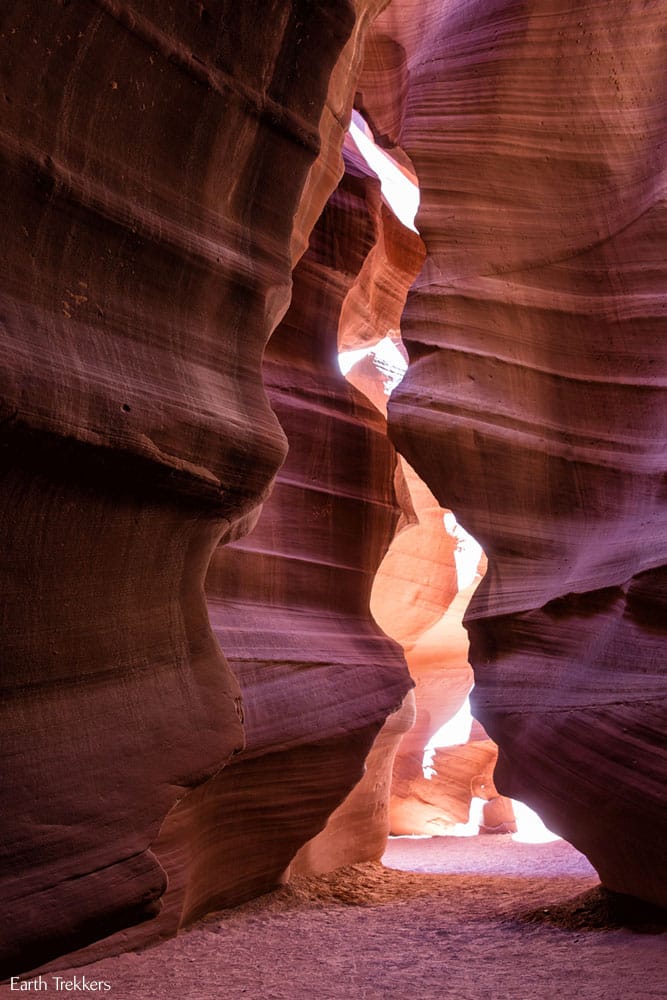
{"points": [[534, 402], [163, 171], [290, 603], [164, 168], [420, 594]]}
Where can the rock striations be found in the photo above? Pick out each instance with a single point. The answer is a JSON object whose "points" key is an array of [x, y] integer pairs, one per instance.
{"points": [[164, 168], [290, 603], [162, 173], [534, 403]]}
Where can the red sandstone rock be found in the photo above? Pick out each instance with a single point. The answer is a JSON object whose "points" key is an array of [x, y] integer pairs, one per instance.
{"points": [[419, 600], [290, 603], [534, 402], [417, 597], [358, 828], [162, 172], [162, 175]]}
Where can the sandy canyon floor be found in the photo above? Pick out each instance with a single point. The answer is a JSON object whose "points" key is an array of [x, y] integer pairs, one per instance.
{"points": [[444, 918]]}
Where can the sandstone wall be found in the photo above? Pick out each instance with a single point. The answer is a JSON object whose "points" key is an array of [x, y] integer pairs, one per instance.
{"points": [[163, 167], [290, 603], [534, 402]]}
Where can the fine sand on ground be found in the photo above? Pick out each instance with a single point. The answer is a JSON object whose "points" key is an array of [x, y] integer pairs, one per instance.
{"points": [[451, 924]]}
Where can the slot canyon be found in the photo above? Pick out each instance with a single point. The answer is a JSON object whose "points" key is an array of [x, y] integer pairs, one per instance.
{"points": [[332, 533]]}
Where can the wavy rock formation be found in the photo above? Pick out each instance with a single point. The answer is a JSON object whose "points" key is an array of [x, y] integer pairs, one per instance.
{"points": [[425, 581], [534, 402], [290, 603], [164, 166], [162, 172], [420, 593]]}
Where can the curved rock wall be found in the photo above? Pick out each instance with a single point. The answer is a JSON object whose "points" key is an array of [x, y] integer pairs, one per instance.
{"points": [[290, 603], [424, 583], [534, 402], [162, 168]]}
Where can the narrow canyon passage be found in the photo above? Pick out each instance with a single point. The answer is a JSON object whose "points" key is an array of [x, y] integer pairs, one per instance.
{"points": [[249, 573], [451, 924]]}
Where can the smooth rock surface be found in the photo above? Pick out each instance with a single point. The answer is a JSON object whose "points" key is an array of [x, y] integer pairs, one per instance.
{"points": [[163, 168], [290, 603], [534, 403]]}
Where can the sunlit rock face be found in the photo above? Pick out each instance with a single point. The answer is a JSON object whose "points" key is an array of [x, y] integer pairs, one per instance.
{"points": [[357, 830], [420, 592], [163, 167], [419, 598], [533, 406], [425, 581], [453, 792]]}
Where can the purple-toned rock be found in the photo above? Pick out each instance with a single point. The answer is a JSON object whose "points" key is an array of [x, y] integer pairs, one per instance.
{"points": [[534, 403]]}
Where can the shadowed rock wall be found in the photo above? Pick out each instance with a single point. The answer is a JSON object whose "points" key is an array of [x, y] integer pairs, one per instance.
{"points": [[163, 166], [290, 603], [534, 404]]}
